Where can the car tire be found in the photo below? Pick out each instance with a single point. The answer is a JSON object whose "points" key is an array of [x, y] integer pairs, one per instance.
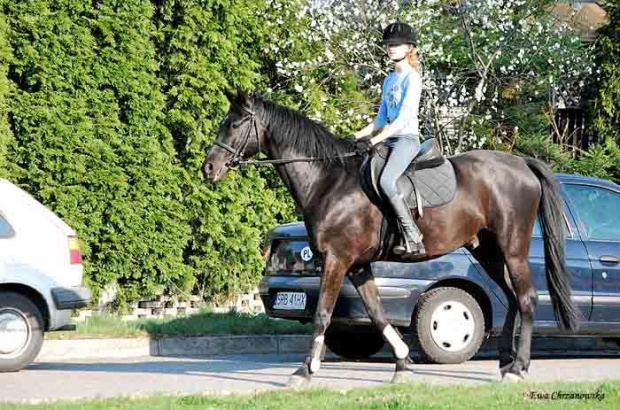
{"points": [[22, 320], [354, 342], [448, 326]]}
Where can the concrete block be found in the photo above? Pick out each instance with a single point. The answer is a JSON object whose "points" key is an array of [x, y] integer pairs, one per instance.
{"points": [[294, 343], [151, 305], [191, 311], [217, 345], [81, 317], [142, 312]]}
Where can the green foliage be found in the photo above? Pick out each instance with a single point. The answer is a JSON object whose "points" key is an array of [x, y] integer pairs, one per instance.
{"points": [[604, 160], [114, 105], [204, 48], [204, 323], [607, 104], [5, 96], [601, 160], [90, 139], [107, 109]]}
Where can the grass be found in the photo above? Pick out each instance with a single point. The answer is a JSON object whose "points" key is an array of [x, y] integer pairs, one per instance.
{"points": [[205, 323], [409, 396]]}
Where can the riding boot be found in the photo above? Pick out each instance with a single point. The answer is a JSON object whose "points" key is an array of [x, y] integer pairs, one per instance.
{"points": [[412, 235]]}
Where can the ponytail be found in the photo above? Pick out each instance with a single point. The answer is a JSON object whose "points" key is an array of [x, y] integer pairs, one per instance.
{"points": [[414, 61]]}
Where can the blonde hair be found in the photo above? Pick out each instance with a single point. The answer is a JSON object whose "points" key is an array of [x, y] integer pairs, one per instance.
{"points": [[414, 61]]}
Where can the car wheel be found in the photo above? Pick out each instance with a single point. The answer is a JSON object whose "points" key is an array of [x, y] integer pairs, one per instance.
{"points": [[354, 342], [21, 331], [448, 325]]}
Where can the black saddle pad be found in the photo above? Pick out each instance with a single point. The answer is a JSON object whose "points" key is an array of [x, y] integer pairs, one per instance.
{"points": [[428, 182]]}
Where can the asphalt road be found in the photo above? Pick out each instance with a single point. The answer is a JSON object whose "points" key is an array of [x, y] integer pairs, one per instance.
{"points": [[249, 373]]}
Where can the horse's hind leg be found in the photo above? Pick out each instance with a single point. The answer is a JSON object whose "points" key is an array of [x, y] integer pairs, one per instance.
{"points": [[364, 282], [506, 261], [491, 258], [527, 300], [331, 280]]}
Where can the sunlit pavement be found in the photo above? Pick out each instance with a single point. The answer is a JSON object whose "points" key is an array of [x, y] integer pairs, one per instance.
{"points": [[249, 373]]}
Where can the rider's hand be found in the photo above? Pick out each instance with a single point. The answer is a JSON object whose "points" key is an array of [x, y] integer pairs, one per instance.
{"points": [[363, 146]]}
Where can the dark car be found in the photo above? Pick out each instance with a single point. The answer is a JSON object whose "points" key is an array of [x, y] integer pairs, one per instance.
{"points": [[449, 305]]}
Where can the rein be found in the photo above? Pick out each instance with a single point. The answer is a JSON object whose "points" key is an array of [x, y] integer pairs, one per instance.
{"points": [[237, 160], [234, 163]]}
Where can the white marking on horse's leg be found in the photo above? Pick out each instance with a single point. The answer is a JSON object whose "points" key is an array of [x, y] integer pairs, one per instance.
{"points": [[400, 348], [512, 378], [317, 349]]}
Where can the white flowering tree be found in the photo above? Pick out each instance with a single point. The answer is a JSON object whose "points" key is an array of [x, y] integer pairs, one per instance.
{"points": [[489, 65]]}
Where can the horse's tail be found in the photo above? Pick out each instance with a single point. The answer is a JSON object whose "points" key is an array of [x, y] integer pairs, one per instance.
{"points": [[551, 219]]}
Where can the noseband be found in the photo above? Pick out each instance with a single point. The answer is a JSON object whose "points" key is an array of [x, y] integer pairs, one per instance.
{"points": [[237, 154]]}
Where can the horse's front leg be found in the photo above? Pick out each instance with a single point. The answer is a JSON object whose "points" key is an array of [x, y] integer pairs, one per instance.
{"points": [[364, 282], [333, 275]]}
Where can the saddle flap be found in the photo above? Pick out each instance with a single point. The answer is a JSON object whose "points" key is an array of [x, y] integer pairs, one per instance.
{"points": [[428, 182]]}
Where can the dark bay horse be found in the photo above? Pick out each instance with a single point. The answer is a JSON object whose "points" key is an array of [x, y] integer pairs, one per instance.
{"points": [[498, 199]]}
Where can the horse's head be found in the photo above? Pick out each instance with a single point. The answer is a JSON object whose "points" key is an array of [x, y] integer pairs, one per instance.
{"points": [[240, 135]]}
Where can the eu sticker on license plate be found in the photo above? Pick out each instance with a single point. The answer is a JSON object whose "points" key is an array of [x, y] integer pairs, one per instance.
{"points": [[290, 300]]}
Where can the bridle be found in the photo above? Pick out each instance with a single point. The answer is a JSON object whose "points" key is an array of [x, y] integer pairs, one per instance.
{"points": [[237, 154]]}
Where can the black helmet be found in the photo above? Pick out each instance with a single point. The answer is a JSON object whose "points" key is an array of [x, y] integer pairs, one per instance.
{"points": [[399, 33]]}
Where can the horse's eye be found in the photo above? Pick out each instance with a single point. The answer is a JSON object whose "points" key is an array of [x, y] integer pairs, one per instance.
{"points": [[237, 124]]}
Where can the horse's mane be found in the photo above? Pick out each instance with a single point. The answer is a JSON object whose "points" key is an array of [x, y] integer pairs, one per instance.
{"points": [[301, 134]]}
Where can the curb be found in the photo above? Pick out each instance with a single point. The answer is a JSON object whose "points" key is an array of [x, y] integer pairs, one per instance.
{"points": [[56, 350]]}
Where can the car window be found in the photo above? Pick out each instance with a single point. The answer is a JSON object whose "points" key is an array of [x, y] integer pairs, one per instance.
{"points": [[5, 228], [598, 210], [537, 232], [291, 256]]}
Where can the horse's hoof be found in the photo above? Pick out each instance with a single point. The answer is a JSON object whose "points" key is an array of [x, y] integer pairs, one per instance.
{"points": [[401, 377], [297, 382], [512, 378]]}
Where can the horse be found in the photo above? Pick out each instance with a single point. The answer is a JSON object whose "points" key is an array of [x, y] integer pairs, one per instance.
{"points": [[498, 198]]}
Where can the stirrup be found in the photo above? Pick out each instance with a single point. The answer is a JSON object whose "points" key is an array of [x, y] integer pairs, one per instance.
{"points": [[410, 233], [410, 248]]}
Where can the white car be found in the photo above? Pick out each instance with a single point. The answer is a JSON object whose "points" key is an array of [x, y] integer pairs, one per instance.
{"points": [[40, 276]]}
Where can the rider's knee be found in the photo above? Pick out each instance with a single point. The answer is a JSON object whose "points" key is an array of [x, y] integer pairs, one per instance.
{"points": [[388, 186]]}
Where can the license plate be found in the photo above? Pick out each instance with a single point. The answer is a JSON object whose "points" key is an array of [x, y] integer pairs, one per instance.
{"points": [[290, 301]]}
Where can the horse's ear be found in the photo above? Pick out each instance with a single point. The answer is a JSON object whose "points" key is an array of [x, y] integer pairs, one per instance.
{"points": [[246, 100]]}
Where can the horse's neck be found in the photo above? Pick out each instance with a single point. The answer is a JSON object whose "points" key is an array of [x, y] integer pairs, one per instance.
{"points": [[302, 178]]}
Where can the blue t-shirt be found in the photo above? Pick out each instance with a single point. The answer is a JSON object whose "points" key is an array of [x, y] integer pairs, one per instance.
{"points": [[400, 102]]}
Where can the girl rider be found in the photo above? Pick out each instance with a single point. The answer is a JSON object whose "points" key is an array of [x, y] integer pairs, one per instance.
{"points": [[397, 122]]}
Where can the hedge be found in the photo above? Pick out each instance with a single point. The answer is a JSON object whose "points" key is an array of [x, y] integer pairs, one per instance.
{"points": [[5, 97], [107, 108]]}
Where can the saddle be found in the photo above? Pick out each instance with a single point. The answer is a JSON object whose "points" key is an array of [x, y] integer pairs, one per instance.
{"points": [[429, 182]]}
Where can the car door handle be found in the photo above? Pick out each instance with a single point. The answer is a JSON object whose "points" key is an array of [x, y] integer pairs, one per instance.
{"points": [[608, 259]]}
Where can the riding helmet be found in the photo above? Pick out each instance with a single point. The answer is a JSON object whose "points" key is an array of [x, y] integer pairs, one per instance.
{"points": [[399, 33]]}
